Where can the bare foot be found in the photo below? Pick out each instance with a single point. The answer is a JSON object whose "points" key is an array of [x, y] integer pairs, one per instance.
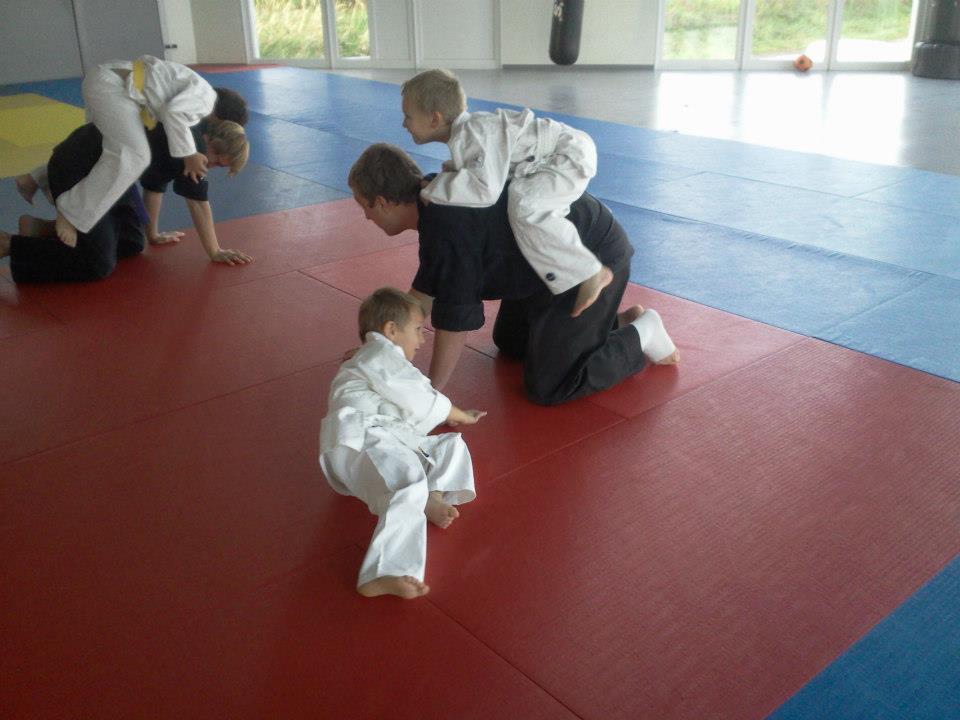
{"points": [[27, 187], [405, 586], [629, 315], [438, 512], [671, 359], [30, 226], [66, 231], [4, 244], [590, 290]]}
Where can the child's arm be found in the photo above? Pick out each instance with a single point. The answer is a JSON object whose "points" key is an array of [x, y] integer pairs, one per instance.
{"points": [[480, 152], [464, 417], [447, 346], [153, 201], [202, 216]]}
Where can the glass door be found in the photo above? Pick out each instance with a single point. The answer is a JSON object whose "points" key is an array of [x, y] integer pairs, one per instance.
{"points": [[758, 34], [325, 33]]}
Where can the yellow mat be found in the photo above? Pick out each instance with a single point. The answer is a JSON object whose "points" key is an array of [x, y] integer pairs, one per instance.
{"points": [[30, 125]]}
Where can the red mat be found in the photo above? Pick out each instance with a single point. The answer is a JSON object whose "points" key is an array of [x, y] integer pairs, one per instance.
{"points": [[93, 375], [305, 646], [696, 542], [709, 557], [18, 314]]}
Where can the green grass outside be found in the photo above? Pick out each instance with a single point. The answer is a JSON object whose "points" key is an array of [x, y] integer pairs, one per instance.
{"points": [[783, 26], [290, 29]]}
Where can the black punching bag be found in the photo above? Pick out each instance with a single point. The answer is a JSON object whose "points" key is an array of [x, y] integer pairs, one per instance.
{"points": [[565, 31], [937, 52]]}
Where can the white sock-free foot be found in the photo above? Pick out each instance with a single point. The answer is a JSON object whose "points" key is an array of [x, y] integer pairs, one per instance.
{"points": [[654, 340]]}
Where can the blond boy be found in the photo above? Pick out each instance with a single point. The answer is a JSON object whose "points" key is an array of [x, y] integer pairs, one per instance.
{"points": [[547, 163], [374, 445]]}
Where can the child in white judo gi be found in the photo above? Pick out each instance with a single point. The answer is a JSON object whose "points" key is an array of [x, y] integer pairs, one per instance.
{"points": [[219, 137], [374, 445], [548, 164], [123, 99]]}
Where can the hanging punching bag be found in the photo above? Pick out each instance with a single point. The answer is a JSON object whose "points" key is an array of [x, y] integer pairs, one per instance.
{"points": [[565, 31], [937, 51]]}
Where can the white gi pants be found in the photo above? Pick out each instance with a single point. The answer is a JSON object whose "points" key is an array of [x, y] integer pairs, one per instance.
{"points": [[126, 152], [394, 481], [539, 199]]}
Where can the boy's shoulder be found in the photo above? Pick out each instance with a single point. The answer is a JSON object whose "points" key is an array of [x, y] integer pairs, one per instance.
{"points": [[482, 122]]}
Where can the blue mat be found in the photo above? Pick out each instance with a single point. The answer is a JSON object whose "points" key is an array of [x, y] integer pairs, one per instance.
{"points": [[906, 668], [926, 191], [908, 238], [919, 329], [795, 287], [254, 191]]}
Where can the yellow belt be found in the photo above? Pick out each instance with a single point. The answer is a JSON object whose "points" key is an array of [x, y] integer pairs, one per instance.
{"points": [[139, 77]]}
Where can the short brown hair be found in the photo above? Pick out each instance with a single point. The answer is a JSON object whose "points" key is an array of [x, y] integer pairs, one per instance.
{"points": [[385, 305], [228, 138], [384, 170], [436, 91]]}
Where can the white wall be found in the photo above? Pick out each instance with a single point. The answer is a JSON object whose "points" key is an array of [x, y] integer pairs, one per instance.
{"points": [[615, 32], [38, 41], [111, 30], [391, 25], [218, 29], [458, 33]]}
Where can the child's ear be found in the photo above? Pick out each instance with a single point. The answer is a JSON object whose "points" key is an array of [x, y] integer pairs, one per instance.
{"points": [[436, 120], [389, 329]]}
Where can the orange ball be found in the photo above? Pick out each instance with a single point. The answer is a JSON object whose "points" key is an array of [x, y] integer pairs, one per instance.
{"points": [[803, 63]]}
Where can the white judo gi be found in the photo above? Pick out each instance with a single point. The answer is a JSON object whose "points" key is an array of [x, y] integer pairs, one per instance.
{"points": [[374, 446], [550, 164], [172, 94]]}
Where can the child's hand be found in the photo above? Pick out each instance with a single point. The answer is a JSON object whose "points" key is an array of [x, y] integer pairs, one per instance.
{"points": [[231, 257], [448, 166], [164, 238], [195, 166]]}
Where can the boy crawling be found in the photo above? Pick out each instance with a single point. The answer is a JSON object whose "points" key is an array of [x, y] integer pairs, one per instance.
{"points": [[374, 445]]}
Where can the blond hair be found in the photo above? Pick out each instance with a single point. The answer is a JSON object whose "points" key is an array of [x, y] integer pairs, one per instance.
{"points": [[386, 305], [436, 91], [386, 171], [229, 138]]}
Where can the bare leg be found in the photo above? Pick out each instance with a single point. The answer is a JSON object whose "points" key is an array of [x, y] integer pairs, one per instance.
{"points": [[30, 226], [4, 244], [27, 187], [405, 586], [590, 290], [438, 512]]}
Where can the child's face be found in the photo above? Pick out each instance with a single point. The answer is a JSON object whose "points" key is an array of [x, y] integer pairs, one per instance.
{"points": [[422, 126], [409, 337]]}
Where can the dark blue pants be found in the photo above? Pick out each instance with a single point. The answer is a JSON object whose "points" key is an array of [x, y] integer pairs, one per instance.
{"points": [[565, 358]]}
